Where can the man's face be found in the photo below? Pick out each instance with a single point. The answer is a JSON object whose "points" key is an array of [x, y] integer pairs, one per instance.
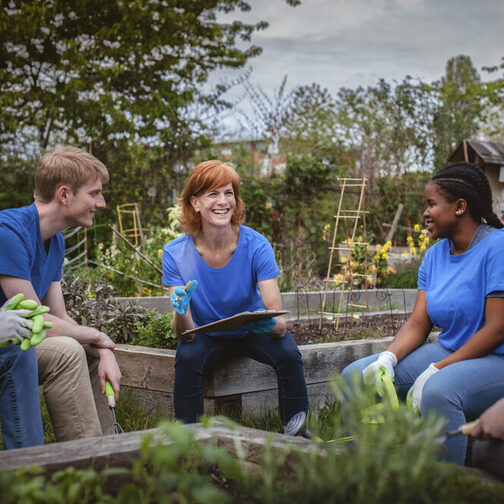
{"points": [[85, 202]]}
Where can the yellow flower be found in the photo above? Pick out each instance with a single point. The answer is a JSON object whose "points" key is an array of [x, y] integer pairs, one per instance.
{"points": [[378, 247], [404, 254], [376, 257], [384, 255], [160, 253], [343, 259], [416, 227]]}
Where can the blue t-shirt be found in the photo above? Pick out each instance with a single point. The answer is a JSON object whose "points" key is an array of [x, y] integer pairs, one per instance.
{"points": [[222, 292], [22, 252], [456, 287]]}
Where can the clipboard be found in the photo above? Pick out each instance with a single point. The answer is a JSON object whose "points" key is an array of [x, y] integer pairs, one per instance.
{"points": [[235, 322]]}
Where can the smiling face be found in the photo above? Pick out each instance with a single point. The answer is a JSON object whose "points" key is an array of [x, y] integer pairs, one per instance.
{"points": [[216, 206], [82, 205], [440, 215]]}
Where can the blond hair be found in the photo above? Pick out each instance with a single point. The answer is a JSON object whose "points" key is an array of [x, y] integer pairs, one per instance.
{"points": [[66, 166]]}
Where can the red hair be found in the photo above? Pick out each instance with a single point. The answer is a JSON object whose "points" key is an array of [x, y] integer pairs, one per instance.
{"points": [[207, 176]]}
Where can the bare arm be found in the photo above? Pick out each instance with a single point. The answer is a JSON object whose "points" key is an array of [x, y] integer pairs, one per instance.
{"points": [[182, 323], [63, 325], [484, 341], [272, 300], [95, 343], [414, 332]]}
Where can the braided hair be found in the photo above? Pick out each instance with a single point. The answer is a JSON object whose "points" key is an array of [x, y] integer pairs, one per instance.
{"points": [[469, 182]]}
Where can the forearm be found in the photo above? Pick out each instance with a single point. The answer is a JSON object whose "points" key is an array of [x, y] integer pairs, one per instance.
{"points": [[409, 337], [182, 323], [482, 343], [65, 326]]}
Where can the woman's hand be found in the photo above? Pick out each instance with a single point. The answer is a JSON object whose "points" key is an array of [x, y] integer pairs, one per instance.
{"points": [[181, 297]]}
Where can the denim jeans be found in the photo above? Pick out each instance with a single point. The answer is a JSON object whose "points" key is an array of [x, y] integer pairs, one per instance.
{"points": [[459, 392], [19, 398], [281, 354]]}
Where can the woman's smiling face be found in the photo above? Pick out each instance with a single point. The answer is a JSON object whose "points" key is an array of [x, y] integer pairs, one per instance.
{"points": [[440, 214], [216, 207]]}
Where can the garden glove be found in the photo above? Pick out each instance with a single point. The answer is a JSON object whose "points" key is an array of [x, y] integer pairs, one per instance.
{"points": [[181, 297], [21, 322], [415, 392], [261, 326], [386, 359], [13, 325]]}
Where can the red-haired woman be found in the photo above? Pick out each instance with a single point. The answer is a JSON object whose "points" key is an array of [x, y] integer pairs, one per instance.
{"points": [[232, 269]]}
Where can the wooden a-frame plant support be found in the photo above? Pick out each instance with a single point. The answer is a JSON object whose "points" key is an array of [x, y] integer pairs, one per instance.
{"points": [[350, 218]]}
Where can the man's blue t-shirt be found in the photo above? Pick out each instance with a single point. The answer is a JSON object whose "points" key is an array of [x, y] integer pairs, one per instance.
{"points": [[22, 252], [222, 292], [456, 287]]}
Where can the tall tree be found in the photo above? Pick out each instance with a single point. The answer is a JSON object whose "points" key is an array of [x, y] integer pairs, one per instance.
{"points": [[86, 69], [458, 104]]}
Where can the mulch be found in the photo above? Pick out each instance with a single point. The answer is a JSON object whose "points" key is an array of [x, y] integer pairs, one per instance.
{"points": [[359, 326]]}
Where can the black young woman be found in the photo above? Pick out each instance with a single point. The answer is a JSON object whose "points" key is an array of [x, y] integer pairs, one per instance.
{"points": [[232, 269], [460, 290]]}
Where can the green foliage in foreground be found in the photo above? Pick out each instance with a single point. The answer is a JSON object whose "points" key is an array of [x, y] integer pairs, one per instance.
{"points": [[391, 460]]}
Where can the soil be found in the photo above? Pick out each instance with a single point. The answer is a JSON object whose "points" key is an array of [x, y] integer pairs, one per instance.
{"points": [[359, 326]]}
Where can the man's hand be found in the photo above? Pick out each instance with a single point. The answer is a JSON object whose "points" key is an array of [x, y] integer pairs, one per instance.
{"points": [[108, 369], [103, 341], [13, 325], [491, 423]]}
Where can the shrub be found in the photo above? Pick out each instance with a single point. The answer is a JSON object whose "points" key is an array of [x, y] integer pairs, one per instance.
{"points": [[157, 333], [93, 304]]}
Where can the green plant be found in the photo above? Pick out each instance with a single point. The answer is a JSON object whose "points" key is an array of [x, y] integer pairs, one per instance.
{"points": [[119, 257], [157, 333], [94, 305]]}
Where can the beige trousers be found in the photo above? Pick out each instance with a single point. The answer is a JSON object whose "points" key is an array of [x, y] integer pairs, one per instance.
{"points": [[72, 390]]}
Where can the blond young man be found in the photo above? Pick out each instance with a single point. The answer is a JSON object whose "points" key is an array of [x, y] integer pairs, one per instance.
{"points": [[74, 360]]}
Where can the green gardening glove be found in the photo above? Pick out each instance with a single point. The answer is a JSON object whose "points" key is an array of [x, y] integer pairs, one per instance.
{"points": [[22, 322]]}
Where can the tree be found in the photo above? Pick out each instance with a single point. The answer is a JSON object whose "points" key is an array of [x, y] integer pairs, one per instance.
{"points": [[459, 101], [78, 70], [380, 127]]}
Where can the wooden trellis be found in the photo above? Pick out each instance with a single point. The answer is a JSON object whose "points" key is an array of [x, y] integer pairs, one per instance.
{"points": [[350, 218]]}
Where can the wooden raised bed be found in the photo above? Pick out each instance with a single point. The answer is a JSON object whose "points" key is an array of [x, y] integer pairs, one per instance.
{"points": [[241, 385]]}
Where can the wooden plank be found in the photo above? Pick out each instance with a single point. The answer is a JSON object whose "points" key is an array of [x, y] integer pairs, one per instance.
{"points": [[119, 450], [148, 368]]}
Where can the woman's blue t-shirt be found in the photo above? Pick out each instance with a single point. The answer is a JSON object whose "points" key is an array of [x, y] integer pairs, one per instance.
{"points": [[221, 292], [456, 287]]}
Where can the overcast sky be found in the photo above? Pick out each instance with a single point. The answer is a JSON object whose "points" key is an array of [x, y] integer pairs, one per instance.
{"points": [[349, 43]]}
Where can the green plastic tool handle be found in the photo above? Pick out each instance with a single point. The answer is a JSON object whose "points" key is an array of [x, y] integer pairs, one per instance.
{"points": [[109, 392]]}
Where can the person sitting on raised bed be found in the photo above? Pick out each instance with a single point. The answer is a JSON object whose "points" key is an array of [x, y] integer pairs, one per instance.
{"points": [[460, 290], [231, 269], [68, 184]]}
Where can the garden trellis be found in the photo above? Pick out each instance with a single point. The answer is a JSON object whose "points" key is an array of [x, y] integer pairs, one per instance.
{"points": [[350, 218]]}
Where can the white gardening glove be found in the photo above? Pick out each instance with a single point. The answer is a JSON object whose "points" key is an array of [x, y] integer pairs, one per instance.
{"points": [[387, 359], [415, 392], [12, 324]]}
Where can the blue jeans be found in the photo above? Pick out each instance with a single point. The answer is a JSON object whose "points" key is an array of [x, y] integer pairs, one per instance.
{"points": [[19, 398], [281, 354], [459, 392]]}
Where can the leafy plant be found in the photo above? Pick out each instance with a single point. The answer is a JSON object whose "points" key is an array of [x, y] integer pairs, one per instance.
{"points": [[96, 307], [157, 333]]}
